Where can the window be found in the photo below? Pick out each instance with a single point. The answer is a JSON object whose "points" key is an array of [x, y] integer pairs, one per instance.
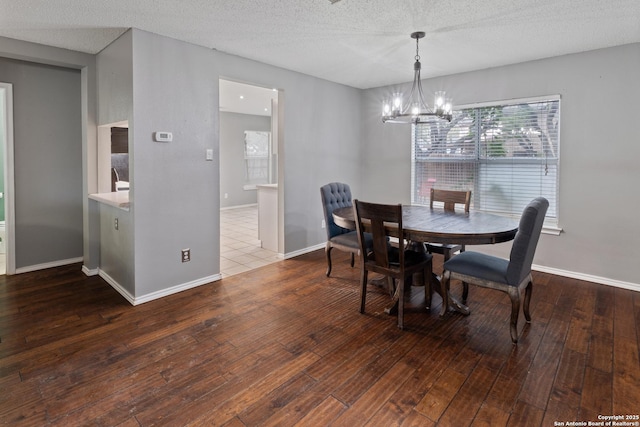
{"points": [[256, 158], [506, 153]]}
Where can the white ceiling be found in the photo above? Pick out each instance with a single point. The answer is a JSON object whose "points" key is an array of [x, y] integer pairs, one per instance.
{"points": [[360, 43], [246, 99]]}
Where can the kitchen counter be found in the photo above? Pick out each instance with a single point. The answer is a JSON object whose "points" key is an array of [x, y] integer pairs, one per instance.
{"points": [[118, 199]]}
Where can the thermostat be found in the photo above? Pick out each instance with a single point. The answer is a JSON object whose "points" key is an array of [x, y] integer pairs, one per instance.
{"points": [[162, 136]]}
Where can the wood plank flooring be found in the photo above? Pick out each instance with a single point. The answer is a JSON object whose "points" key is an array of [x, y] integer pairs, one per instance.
{"points": [[284, 345]]}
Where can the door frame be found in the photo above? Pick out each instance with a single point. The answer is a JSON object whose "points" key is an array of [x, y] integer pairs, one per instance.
{"points": [[9, 187]]}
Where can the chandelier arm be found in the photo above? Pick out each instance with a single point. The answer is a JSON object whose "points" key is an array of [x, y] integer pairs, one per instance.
{"points": [[420, 94], [407, 107]]}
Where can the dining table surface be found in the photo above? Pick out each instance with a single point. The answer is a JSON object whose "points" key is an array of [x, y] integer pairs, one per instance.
{"points": [[423, 224]]}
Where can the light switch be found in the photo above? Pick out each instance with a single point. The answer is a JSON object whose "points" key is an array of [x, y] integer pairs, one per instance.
{"points": [[209, 155], [163, 136]]}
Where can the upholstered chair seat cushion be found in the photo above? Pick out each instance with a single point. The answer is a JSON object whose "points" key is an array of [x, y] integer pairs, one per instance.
{"points": [[349, 239], [482, 266]]}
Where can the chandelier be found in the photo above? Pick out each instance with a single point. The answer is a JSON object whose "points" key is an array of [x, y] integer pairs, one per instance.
{"points": [[415, 109]]}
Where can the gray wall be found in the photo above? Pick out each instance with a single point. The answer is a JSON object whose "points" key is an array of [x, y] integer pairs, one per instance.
{"points": [[333, 133], [48, 161], [115, 104], [175, 191], [232, 127], [600, 148], [175, 196]]}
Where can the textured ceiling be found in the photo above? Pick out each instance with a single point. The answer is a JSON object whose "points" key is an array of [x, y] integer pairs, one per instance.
{"points": [[360, 43]]}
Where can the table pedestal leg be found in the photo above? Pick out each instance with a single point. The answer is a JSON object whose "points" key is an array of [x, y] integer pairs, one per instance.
{"points": [[454, 303], [418, 298]]}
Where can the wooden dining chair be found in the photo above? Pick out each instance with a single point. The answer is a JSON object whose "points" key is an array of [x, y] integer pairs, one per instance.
{"points": [[451, 199], [510, 276], [383, 257]]}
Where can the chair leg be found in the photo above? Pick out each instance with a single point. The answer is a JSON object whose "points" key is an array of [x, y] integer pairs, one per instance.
{"points": [[427, 282], [465, 292], [444, 286], [514, 294], [363, 288], [327, 251], [465, 285], [400, 287], [353, 257], [527, 300]]}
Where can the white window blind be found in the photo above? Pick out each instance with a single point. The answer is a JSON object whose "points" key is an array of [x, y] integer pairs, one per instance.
{"points": [[505, 153]]}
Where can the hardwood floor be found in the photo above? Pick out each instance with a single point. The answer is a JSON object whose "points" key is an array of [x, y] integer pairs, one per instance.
{"points": [[284, 345]]}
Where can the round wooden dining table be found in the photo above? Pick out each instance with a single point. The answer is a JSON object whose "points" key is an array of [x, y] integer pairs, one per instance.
{"points": [[423, 224]]}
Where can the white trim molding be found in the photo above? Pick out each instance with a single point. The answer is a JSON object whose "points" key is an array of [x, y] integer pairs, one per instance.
{"points": [[6, 89], [178, 288], [294, 254], [588, 278], [159, 294], [115, 285], [90, 271], [46, 265]]}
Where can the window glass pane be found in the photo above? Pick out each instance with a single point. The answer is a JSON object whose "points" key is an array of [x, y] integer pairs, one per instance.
{"points": [[256, 155], [443, 140], [505, 154], [508, 187]]}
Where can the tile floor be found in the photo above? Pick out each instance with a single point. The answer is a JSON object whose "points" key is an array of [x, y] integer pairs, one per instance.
{"points": [[239, 245]]}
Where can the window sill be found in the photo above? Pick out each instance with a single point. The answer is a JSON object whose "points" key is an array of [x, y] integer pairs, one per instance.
{"points": [[551, 229]]}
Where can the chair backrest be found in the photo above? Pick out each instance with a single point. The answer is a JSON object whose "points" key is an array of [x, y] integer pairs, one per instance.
{"points": [[526, 240], [451, 199], [334, 195], [373, 217]]}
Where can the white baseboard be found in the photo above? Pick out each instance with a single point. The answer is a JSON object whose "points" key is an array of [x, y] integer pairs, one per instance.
{"points": [[46, 265], [115, 285], [558, 272], [178, 288], [204, 280], [159, 294], [304, 251], [588, 278], [90, 271]]}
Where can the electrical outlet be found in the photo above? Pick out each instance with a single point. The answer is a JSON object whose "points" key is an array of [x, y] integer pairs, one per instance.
{"points": [[186, 255], [115, 223], [323, 224]]}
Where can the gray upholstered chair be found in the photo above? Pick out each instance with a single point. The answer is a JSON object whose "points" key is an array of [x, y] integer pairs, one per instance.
{"points": [[510, 276], [398, 264], [337, 195]]}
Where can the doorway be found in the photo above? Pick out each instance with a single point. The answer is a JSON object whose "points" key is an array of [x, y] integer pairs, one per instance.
{"points": [[249, 129], [7, 232]]}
